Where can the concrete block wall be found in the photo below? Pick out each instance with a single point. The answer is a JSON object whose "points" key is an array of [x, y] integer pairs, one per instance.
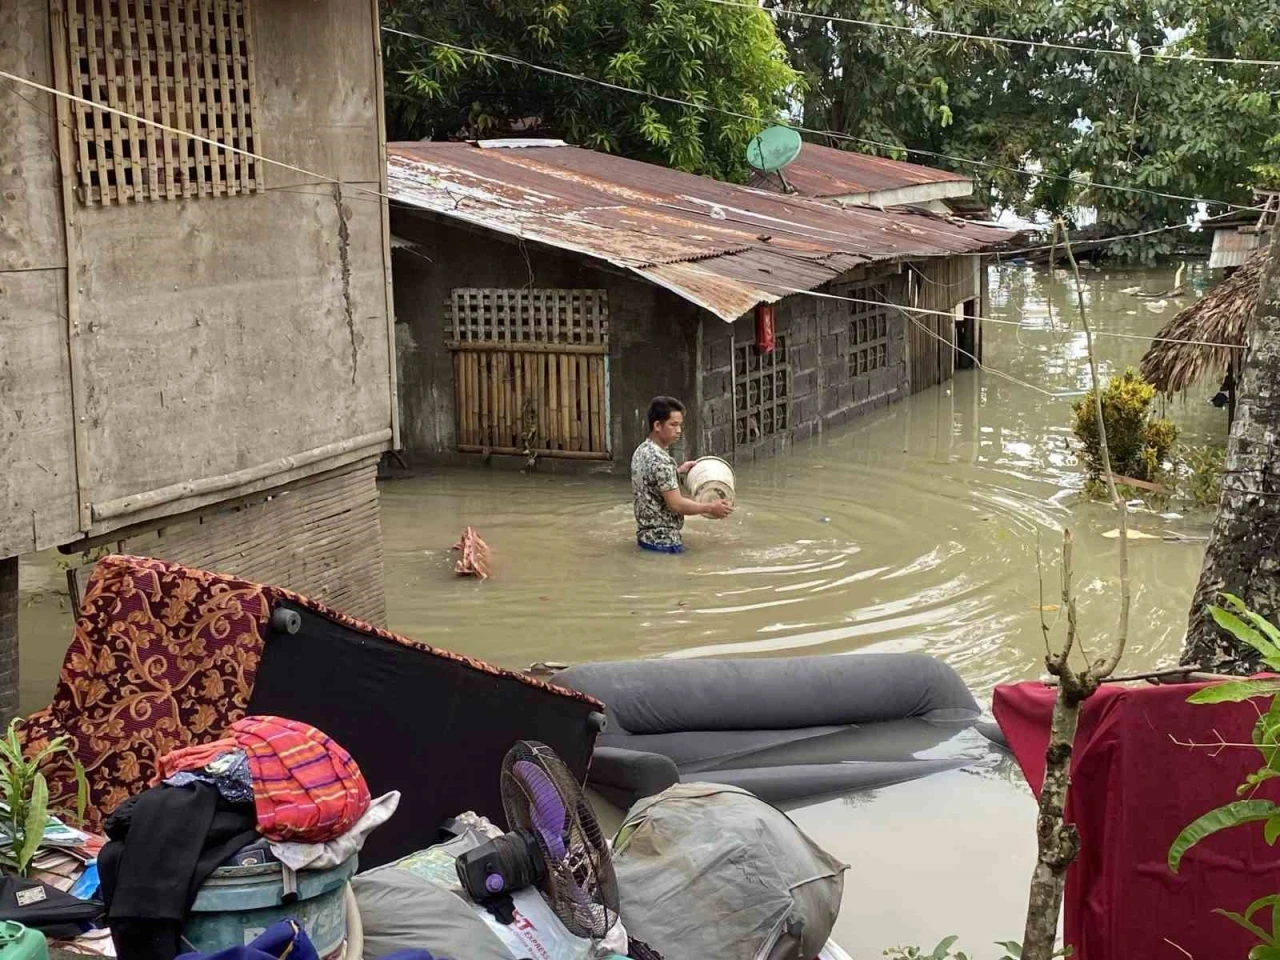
{"points": [[822, 394]]}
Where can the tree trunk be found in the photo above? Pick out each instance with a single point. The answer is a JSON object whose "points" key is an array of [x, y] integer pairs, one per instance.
{"points": [[8, 639], [1243, 557]]}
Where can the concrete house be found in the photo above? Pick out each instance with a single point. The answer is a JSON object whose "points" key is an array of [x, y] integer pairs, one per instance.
{"points": [[188, 334], [545, 293]]}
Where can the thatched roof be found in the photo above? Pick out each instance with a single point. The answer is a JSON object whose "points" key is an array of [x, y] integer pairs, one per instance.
{"points": [[1221, 316]]}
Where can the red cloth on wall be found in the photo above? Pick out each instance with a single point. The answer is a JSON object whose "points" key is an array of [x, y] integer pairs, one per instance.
{"points": [[1133, 790]]}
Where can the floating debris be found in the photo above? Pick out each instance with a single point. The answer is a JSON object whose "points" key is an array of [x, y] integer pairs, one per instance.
{"points": [[475, 556]]}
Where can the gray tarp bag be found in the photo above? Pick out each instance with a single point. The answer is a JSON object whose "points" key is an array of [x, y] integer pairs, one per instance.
{"points": [[710, 872]]}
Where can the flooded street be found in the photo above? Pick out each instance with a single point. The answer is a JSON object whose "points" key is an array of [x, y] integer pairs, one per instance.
{"points": [[915, 529]]}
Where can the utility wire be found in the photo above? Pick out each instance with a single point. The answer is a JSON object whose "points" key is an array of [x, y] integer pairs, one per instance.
{"points": [[928, 31], [621, 88]]}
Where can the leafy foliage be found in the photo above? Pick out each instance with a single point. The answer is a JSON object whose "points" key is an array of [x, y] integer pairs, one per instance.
{"points": [[1255, 631], [25, 796], [1138, 444], [1201, 474], [727, 58], [1193, 129]]}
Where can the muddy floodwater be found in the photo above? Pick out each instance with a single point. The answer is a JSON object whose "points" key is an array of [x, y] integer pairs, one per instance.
{"points": [[915, 529]]}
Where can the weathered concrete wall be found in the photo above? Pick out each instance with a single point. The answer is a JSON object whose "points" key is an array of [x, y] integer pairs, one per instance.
{"points": [[38, 504], [652, 333], [822, 392], [211, 336]]}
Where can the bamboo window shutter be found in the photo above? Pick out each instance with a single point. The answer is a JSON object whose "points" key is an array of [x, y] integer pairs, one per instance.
{"points": [[186, 64], [530, 371]]}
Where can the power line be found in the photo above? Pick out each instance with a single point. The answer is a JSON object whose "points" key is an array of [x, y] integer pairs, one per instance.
{"points": [[664, 98], [13, 78], [927, 31], [94, 105], [1017, 323], [378, 196]]}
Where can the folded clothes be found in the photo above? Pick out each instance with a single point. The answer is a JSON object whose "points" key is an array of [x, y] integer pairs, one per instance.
{"points": [[306, 787], [229, 773], [325, 856]]}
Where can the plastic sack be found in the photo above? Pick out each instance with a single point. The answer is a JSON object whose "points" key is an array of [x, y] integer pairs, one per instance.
{"points": [[285, 938], [536, 930], [710, 872]]}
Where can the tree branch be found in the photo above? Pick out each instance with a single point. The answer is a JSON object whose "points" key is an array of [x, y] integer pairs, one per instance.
{"points": [[1058, 842], [1104, 668]]}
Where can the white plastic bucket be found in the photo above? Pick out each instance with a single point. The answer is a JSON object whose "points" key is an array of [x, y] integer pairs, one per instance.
{"points": [[710, 479]]}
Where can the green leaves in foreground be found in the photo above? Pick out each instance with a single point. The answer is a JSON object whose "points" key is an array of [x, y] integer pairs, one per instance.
{"points": [[24, 795], [1230, 815]]}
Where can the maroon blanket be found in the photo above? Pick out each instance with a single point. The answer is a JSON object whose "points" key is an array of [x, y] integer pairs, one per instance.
{"points": [[1133, 790]]}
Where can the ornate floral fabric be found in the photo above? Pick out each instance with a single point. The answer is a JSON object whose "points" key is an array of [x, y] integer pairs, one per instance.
{"points": [[165, 657]]}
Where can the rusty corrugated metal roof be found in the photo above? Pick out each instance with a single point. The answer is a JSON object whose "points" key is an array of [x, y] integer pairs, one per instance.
{"points": [[721, 246], [826, 172]]}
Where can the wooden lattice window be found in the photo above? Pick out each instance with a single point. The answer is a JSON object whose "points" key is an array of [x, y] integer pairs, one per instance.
{"points": [[868, 330], [186, 64], [760, 391], [530, 316]]}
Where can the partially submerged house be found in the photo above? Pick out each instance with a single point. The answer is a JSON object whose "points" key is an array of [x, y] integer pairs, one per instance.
{"points": [[1205, 343], [196, 353], [545, 293], [849, 178]]}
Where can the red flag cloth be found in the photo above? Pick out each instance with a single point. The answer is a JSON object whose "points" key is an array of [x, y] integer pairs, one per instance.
{"points": [[306, 787], [1133, 789]]}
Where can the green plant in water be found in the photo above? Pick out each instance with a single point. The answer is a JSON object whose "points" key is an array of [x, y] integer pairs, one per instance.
{"points": [[1138, 443], [1252, 629], [25, 797], [1201, 468]]}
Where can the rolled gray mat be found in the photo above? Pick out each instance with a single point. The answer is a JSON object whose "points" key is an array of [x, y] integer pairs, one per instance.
{"points": [[667, 696]]}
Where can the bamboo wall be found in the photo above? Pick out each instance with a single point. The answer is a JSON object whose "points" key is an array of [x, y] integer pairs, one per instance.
{"points": [[530, 371], [937, 285]]}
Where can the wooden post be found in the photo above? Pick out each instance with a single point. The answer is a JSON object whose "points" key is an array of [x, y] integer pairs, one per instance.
{"points": [[8, 638]]}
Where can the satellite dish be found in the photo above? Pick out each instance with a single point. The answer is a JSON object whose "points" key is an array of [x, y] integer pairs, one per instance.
{"points": [[772, 149]]}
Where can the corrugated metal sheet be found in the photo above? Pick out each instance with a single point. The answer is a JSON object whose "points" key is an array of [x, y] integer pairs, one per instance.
{"points": [[827, 172], [1232, 248], [721, 246]]}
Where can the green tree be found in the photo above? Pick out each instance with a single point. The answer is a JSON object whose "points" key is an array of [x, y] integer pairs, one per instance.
{"points": [[724, 58], [1193, 129]]}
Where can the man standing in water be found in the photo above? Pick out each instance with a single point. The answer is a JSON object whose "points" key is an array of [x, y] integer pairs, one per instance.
{"points": [[655, 483]]}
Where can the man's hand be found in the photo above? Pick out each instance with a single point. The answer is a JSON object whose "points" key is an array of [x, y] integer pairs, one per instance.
{"points": [[685, 467], [718, 509]]}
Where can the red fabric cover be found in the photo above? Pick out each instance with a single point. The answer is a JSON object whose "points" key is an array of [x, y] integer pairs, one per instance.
{"points": [[1133, 789], [306, 788], [165, 657]]}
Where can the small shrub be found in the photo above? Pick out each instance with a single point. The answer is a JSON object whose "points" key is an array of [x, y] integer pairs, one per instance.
{"points": [[24, 797], [1139, 444], [1200, 482]]}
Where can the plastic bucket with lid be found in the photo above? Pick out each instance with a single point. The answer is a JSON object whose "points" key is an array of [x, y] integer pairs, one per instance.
{"points": [[711, 479]]}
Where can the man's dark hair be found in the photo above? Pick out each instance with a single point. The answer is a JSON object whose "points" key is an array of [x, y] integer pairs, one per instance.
{"points": [[661, 409]]}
